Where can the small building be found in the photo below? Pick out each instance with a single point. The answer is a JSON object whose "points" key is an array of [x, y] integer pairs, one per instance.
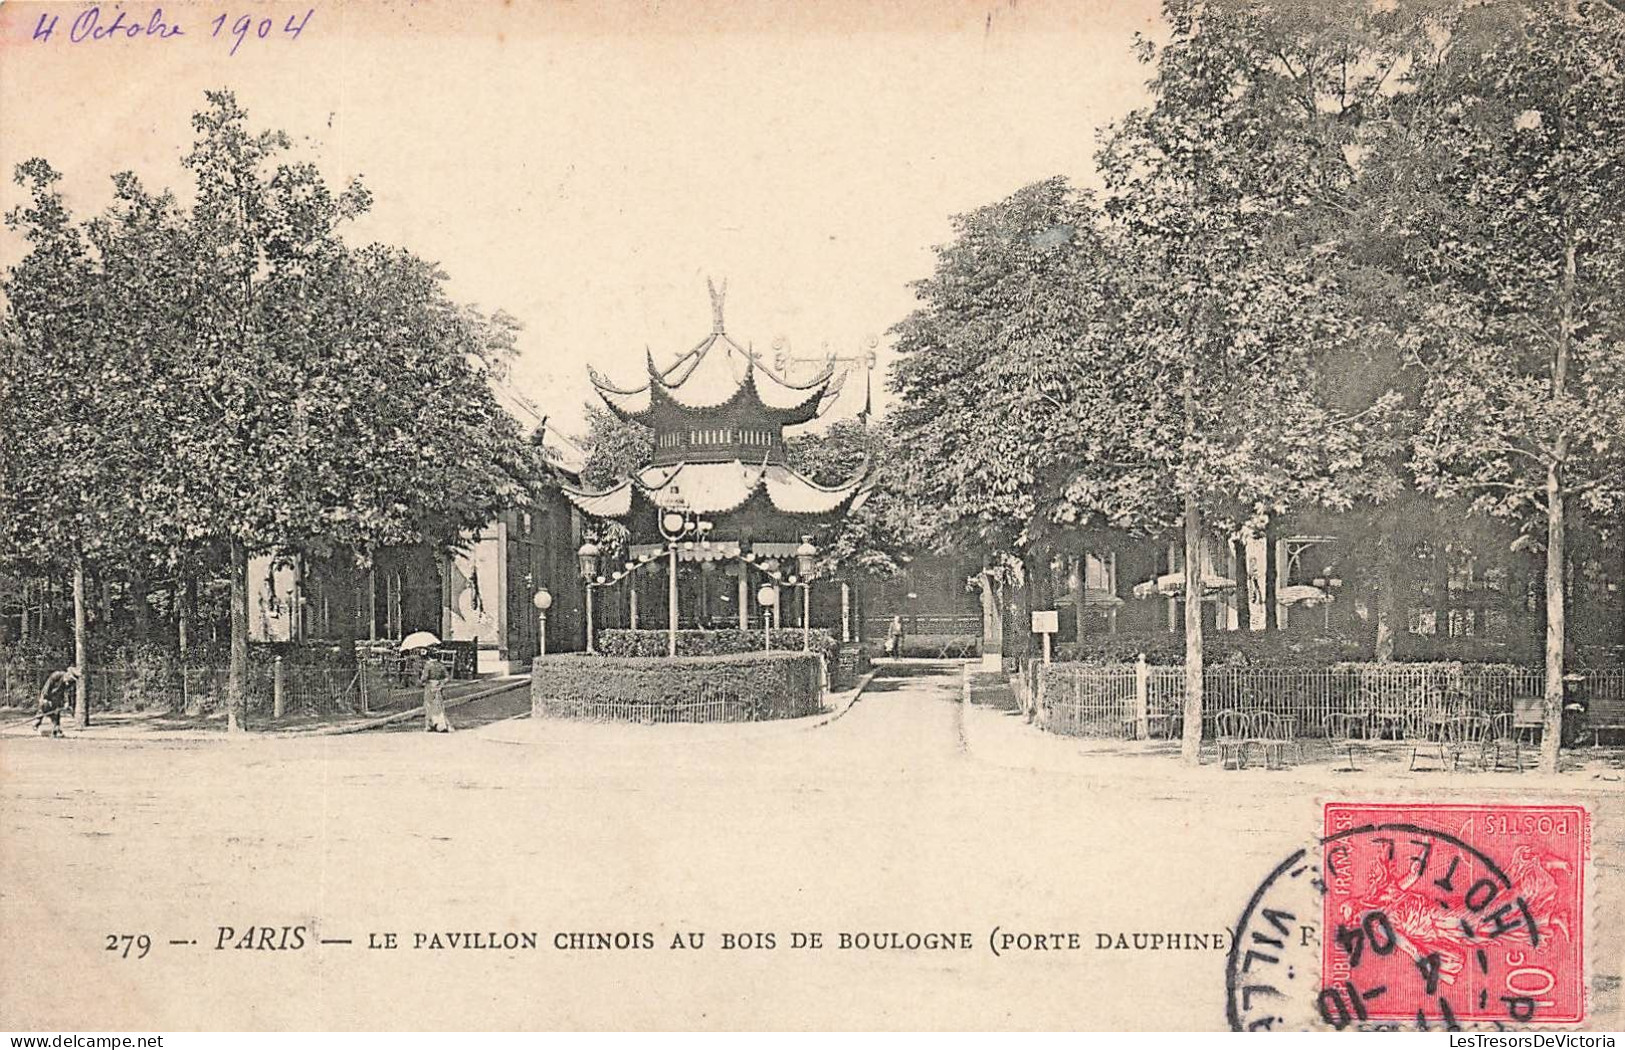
{"points": [[717, 494], [481, 595]]}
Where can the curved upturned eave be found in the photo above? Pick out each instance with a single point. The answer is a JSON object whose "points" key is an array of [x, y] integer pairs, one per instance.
{"points": [[794, 493], [744, 401], [714, 498], [631, 405], [614, 502]]}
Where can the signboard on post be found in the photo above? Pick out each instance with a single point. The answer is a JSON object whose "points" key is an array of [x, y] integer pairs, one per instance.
{"points": [[1046, 622]]}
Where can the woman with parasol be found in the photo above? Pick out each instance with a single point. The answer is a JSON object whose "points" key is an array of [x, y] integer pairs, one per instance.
{"points": [[432, 676]]}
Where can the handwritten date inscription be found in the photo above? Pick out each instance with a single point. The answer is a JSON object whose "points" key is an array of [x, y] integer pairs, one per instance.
{"points": [[115, 23]]}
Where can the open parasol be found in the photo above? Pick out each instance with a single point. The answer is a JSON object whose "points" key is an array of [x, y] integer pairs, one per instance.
{"points": [[418, 640]]}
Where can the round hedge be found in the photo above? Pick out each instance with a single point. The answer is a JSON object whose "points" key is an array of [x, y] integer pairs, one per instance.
{"points": [[745, 687]]}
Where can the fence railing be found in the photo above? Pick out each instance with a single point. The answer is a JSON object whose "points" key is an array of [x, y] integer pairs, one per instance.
{"points": [[273, 689], [1141, 700]]}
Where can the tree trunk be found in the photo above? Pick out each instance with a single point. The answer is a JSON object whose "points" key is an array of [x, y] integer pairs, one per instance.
{"points": [[1244, 585], [237, 680], [183, 614], [992, 618], [81, 656], [1387, 602], [139, 608], [1552, 722], [1190, 745], [1272, 580], [1039, 595]]}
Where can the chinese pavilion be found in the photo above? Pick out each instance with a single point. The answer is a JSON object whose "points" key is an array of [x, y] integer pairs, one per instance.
{"points": [[718, 491]]}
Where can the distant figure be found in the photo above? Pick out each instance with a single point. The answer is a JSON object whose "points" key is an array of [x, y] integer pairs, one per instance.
{"points": [[433, 679], [894, 637], [55, 696]]}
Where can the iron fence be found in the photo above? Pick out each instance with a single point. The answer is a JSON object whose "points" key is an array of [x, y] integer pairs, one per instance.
{"points": [[319, 692], [1130, 700]]}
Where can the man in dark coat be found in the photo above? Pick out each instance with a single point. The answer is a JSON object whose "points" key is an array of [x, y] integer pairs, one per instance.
{"points": [[55, 696]]}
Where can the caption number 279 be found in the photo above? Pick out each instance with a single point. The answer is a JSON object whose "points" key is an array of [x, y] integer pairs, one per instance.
{"points": [[125, 943]]}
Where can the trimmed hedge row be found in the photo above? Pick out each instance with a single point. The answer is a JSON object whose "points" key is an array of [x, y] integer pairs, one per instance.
{"points": [[731, 688], [1219, 647], [722, 641], [1262, 649]]}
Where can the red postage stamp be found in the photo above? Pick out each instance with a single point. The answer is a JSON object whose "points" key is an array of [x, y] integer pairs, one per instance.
{"points": [[1446, 915]]}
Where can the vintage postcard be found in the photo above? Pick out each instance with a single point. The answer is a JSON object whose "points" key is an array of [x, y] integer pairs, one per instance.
{"points": [[736, 515]]}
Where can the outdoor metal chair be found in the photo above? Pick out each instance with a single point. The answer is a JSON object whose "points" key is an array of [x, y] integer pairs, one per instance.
{"points": [[1230, 731], [1439, 708], [1274, 733], [1387, 710], [1455, 737], [1503, 738], [1341, 727], [1257, 735]]}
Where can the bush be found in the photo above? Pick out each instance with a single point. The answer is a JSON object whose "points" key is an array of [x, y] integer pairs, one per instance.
{"points": [[1241, 648], [1416, 648], [725, 641], [730, 688]]}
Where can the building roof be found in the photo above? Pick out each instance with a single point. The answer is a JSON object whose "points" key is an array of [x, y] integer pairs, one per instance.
{"points": [[561, 448], [718, 488], [719, 373]]}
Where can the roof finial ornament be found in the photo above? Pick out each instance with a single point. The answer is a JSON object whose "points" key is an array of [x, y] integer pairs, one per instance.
{"points": [[717, 295]]}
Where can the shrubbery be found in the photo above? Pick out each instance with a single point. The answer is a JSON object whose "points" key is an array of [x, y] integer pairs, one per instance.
{"points": [[1244, 648], [147, 676], [735, 688], [1262, 649], [722, 641]]}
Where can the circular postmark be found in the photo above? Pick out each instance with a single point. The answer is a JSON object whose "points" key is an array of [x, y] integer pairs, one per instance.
{"points": [[1434, 921]]}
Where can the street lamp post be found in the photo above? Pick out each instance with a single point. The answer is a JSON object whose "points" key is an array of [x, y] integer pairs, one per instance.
{"points": [[765, 597], [588, 557], [806, 560], [676, 525], [543, 602]]}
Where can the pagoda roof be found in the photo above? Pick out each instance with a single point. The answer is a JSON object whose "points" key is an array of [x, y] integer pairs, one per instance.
{"points": [[718, 374], [718, 488]]}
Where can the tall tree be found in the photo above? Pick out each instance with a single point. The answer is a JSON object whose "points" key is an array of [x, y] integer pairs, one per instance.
{"points": [[143, 244], [992, 375], [59, 458], [1510, 167], [259, 221], [873, 538], [1232, 315]]}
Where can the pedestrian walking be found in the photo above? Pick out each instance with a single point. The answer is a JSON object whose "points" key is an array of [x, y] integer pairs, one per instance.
{"points": [[55, 695], [433, 677], [894, 637]]}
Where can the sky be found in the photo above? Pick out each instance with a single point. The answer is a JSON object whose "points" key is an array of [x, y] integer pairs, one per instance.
{"points": [[587, 166]]}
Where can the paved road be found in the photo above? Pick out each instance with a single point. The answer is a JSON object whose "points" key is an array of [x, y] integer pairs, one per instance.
{"points": [[909, 813]]}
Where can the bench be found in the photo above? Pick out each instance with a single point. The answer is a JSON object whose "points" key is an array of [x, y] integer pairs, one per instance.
{"points": [[1605, 713]]}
